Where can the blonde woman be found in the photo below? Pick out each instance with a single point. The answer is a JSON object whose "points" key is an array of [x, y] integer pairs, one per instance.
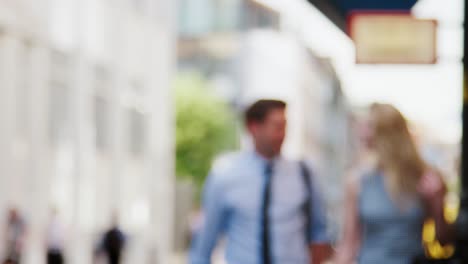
{"points": [[387, 206]]}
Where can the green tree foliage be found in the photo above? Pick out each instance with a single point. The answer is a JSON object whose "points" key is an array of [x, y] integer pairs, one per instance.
{"points": [[205, 127]]}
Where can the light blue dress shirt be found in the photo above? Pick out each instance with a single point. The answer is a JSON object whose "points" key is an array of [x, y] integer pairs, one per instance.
{"points": [[232, 205]]}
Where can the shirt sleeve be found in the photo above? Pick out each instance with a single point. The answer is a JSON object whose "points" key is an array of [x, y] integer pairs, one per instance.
{"points": [[206, 238], [319, 231]]}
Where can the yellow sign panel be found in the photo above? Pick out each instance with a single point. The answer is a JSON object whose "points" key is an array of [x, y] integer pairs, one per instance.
{"points": [[393, 39]]}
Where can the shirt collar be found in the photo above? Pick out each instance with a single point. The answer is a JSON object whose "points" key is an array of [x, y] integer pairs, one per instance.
{"points": [[262, 160]]}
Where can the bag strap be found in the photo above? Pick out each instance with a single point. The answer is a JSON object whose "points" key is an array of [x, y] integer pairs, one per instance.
{"points": [[306, 178]]}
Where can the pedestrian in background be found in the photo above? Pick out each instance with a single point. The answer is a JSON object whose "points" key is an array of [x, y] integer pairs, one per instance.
{"points": [[113, 243], [387, 205], [55, 239], [15, 236]]}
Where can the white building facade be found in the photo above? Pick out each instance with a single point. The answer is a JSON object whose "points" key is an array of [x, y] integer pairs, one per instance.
{"points": [[86, 121]]}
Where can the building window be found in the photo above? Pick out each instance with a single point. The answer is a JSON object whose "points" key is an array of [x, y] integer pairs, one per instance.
{"points": [[260, 16], [101, 108], [227, 15], [101, 118], [136, 132], [23, 90], [140, 6], [136, 118], [60, 98], [196, 17]]}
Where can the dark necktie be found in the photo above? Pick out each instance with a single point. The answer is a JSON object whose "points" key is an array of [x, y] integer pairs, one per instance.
{"points": [[265, 228]]}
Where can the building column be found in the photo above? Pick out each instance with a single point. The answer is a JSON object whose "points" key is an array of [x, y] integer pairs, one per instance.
{"points": [[84, 152], [84, 194], [8, 187], [6, 129], [162, 142], [38, 167], [117, 135]]}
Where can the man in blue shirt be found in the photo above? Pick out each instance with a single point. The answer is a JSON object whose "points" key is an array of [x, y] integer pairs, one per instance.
{"points": [[256, 200]]}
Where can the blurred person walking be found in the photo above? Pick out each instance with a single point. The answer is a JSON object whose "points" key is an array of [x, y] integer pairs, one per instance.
{"points": [[268, 207], [387, 204], [15, 235], [113, 243], [55, 239]]}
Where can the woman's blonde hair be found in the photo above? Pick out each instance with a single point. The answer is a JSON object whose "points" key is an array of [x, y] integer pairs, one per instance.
{"points": [[396, 151]]}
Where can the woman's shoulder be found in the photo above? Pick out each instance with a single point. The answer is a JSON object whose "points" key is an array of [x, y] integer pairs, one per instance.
{"points": [[358, 176]]}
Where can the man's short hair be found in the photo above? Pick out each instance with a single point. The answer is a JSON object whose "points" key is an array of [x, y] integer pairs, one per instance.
{"points": [[258, 111]]}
